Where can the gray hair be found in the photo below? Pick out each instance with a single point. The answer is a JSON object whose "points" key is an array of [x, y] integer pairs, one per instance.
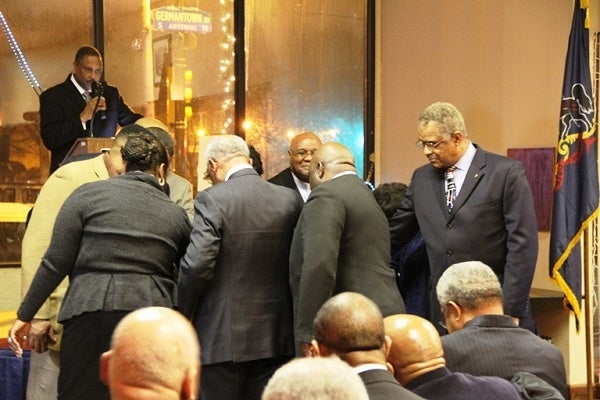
{"points": [[445, 116], [225, 147], [320, 378], [470, 284]]}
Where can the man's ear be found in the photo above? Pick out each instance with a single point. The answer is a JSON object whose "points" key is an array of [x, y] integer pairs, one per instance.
{"points": [[104, 365], [189, 387], [454, 310], [387, 345], [320, 170]]}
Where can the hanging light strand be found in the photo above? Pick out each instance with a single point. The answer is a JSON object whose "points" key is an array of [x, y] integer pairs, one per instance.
{"points": [[21, 60], [226, 72]]}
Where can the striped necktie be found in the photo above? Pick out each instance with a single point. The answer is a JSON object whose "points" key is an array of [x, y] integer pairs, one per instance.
{"points": [[87, 96], [450, 187]]}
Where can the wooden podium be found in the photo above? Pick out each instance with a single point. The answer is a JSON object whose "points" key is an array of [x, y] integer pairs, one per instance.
{"points": [[89, 145]]}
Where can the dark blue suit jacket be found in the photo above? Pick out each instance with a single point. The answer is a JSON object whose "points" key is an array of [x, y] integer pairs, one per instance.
{"points": [[60, 125], [441, 384], [493, 221]]}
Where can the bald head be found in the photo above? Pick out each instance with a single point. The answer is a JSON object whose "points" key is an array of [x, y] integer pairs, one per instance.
{"points": [[301, 151], [416, 346], [349, 322], [329, 160], [155, 351]]}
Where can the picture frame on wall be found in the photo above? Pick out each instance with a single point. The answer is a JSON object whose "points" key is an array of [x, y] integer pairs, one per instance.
{"points": [[539, 167], [160, 54]]}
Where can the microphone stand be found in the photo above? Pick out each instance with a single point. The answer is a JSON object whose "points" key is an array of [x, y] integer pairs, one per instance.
{"points": [[99, 93]]}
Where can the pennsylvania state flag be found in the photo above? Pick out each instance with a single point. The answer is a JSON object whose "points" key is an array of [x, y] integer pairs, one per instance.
{"points": [[575, 201]]}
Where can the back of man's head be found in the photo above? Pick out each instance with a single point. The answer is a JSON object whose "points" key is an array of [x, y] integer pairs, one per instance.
{"points": [[320, 378], [329, 160], [154, 355], [416, 346], [225, 147], [466, 290], [349, 323]]}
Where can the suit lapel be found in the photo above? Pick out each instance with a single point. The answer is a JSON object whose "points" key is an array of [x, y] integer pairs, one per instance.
{"points": [[436, 182], [474, 175]]}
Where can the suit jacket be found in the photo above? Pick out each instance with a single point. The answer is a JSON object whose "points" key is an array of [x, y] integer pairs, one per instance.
{"points": [[180, 191], [492, 345], [441, 384], [381, 385], [493, 221], [60, 125], [119, 240], [285, 178], [234, 276], [39, 229], [341, 244]]}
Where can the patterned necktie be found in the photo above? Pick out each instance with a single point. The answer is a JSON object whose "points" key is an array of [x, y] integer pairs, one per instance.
{"points": [[450, 187], [87, 96]]}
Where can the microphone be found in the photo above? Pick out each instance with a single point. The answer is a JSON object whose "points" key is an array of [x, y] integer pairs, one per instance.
{"points": [[98, 91]]}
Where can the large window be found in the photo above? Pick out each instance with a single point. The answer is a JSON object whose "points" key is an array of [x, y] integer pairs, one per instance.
{"points": [[300, 65]]}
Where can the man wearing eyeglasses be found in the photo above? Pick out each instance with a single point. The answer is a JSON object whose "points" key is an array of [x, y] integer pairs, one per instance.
{"points": [[469, 204], [302, 148]]}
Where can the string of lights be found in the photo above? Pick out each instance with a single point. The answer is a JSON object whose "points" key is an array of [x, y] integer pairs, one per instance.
{"points": [[226, 74], [21, 60]]}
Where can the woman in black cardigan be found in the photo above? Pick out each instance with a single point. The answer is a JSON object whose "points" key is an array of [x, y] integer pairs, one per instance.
{"points": [[120, 241]]}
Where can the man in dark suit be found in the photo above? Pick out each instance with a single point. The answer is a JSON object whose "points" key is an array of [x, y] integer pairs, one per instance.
{"points": [[484, 341], [234, 276], [67, 109], [483, 212], [418, 359], [302, 148], [341, 243], [350, 326]]}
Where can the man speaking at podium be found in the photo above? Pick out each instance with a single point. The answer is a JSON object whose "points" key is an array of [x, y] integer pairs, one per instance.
{"points": [[81, 106]]}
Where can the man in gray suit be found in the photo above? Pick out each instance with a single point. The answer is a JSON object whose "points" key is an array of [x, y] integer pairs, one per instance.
{"points": [[234, 276], [484, 341], [483, 212], [341, 243]]}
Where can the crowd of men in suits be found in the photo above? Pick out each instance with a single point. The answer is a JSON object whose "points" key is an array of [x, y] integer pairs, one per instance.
{"points": [[271, 274]]}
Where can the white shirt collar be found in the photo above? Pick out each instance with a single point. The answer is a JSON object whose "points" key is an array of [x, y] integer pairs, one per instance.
{"points": [[81, 90], [465, 161], [359, 369], [303, 187], [344, 173], [235, 169]]}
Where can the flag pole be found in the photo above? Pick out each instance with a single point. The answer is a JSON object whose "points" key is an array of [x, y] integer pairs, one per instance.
{"points": [[588, 239], [589, 337]]}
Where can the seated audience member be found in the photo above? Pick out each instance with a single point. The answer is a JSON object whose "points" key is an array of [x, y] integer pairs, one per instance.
{"points": [[180, 189], [418, 360], [302, 148], [410, 262], [320, 378], [484, 341], [350, 326], [154, 354]]}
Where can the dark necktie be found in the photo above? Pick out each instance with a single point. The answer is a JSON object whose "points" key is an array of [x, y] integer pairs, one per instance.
{"points": [[450, 187]]}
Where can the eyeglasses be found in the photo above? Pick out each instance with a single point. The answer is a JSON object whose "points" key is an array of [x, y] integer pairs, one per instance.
{"points": [[422, 144], [302, 153]]}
